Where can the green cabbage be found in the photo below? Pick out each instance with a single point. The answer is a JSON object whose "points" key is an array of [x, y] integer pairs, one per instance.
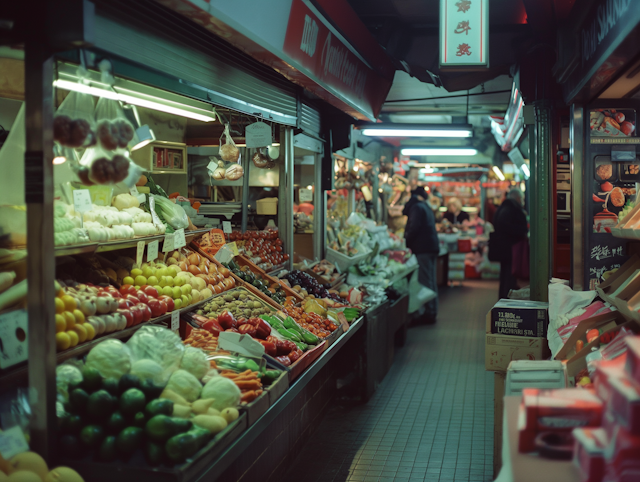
{"points": [[225, 393], [111, 358], [194, 360], [185, 384]]}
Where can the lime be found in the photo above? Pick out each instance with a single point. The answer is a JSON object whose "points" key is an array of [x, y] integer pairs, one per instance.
{"points": [[116, 423], [129, 440], [107, 452], [132, 401], [91, 379], [92, 435], [100, 405], [128, 381], [111, 386], [139, 420], [78, 400], [72, 424]]}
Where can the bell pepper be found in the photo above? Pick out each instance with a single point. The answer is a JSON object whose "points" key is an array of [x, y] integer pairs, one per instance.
{"points": [[283, 347], [269, 348], [273, 339], [608, 337], [252, 322], [284, 360], [212, 326], [264, 330], [295, 355], [232, 330], [247, 329], [226, 320]]}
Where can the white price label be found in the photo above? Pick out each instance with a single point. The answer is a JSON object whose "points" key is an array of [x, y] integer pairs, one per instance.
{"points": [[226, 227], [258, 134], [175, 320], [14, 347], [178, 239], [154, 216], [152, 250], [168, 243], [212, 166], [12, 442], [134, 190], [82, 200], [224, 254], [306, 195], [139, 253]]}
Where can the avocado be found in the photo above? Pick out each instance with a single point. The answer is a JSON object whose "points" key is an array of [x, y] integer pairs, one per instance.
{"points": [[150, 389], [161, 427], [160, 406], [92, 435], [128, 381], [72, 424], [107, 451], [91, 379], [69, 446], [78, 399], [179, 447], [129, 440], [154, 453], [116, 423], [100, 405], [132, 401], [111, 386]]}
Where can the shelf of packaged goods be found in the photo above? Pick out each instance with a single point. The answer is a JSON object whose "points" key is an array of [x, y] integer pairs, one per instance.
{"points": [[14, 374], [120, 244]]}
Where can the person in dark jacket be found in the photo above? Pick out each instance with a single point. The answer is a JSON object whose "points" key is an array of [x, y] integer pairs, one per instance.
{"points": [[422, 239], [510, 223]]}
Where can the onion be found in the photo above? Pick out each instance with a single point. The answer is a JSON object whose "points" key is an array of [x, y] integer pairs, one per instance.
{"points": [[234, 172], [218, 173], [229, 153], [260, 160]]}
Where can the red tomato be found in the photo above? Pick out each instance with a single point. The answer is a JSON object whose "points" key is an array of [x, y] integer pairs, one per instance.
{"points": [[592, 335]]}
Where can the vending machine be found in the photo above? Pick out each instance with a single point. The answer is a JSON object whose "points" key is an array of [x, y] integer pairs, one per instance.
{"points": [[611, 171]]}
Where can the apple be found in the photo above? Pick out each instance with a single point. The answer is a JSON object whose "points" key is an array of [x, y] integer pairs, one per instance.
{"points": [[97, 323], [161, 272], [177, 303], [146, 311], [186, 289], [179, 281], [133, 299], [147, 271], [112, 291], [158, 289], [172, 271], [158, 308], [103, 303], [128, 316], [124, 304], [168, 301], [152, 280], [167, 291], [128, 280], [177, 292], [127, 289], [142, 296], [109, 322], [150, 291], [140, 280], [136, 272], [121, 321], [88, 307], [185, 300], [137, 314]]}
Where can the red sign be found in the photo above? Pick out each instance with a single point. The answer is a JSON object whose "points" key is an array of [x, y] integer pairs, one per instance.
{"points": [[310, 43]]}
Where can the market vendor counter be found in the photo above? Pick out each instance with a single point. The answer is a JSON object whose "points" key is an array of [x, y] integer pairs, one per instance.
{"points": [[517, 467]]}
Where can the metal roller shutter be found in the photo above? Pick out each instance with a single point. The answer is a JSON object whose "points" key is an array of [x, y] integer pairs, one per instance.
{"points": [[310, 120], [199, 61]]}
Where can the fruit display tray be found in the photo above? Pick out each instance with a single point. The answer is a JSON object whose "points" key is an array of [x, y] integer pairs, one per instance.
{"points": [[278, 388], [257, 408], [242, 260], [301, 364], [137, 469]]}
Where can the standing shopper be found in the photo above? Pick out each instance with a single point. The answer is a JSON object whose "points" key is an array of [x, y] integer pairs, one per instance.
{"points": [[422, 239], [510, 223]]}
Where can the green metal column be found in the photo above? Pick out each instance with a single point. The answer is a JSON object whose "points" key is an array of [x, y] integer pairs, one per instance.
{"points": [[540, 202]]}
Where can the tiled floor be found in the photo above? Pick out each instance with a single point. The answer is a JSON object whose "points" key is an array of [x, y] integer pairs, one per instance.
{"points": [[432, 417]]}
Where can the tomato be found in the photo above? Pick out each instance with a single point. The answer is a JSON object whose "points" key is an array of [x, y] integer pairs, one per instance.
{"points": [[592, 335]]}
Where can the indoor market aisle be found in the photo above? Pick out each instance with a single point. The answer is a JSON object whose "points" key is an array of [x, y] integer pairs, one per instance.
{"points": [[432, 417]]}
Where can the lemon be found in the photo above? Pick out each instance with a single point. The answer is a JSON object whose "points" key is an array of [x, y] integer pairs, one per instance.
{"points": [[70, 319], [81, 332], [59, 305], [79, 316], [73, 336], [91, 332], [69, 302], [63, 341], [61, 323]]}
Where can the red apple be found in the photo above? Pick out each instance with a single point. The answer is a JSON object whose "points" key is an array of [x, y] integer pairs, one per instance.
{"points": [[158, 308], [137, 313], [113, 292], [169, 302], [133, 299], [146, 311], [142, 296], [127, 290], [128, 315], [124, 304], [150, 291]]}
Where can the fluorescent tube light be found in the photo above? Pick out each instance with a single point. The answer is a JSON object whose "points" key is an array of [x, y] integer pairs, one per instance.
{"points": [[526, 171], [155, 104], [428, 151], [389, 132], [498, 172]]}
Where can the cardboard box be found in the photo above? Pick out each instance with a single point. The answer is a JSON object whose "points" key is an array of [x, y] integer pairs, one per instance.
{"points": [[498, 418], [519, 318], [633, 357], [500, 350], [603, 322]]}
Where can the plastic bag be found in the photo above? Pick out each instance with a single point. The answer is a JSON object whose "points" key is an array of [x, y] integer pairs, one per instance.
{"points": [[172, 213], [158, 344], [74, 123], [228, 151]]}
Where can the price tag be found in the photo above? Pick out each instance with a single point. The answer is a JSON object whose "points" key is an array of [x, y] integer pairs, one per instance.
{"points": [[343, 321], [82, 200], [12, 442], [212, 166], [258, 134], [233, 247], [178, 239], [14, 347], [168, 243], [154, 216], [152, 250], [175, 320], [306, 195], [224, 254], [140, 253], [226, 227], [134, 190]]}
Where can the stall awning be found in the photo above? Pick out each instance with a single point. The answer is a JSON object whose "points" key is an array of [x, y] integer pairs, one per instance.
{"points": [[297, 40]]}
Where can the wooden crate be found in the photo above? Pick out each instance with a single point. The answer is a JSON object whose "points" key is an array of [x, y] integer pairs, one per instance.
{"points": [[257, 408], [242, 260]]}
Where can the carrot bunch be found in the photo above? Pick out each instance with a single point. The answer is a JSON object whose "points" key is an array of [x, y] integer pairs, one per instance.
{"points": [[202, 339], [248, 382]]}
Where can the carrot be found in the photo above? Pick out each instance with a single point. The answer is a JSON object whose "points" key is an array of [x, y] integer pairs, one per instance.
{"points": [[248, 385], [249, 396]]}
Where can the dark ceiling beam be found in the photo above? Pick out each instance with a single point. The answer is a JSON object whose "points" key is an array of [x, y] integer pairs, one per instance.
{"points": [[541, 15]]}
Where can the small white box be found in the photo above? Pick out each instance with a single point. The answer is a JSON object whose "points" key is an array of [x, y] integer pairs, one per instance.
{"points": [[535, 374]]}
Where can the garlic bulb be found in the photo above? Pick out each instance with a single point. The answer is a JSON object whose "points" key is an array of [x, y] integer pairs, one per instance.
{"points": [[219, 171], [234, 172]]}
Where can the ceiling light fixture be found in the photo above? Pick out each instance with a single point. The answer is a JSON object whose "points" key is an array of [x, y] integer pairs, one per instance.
{"points": [[498, 172], [150, 102], [143, 134], [418, 130], [431, 151]]}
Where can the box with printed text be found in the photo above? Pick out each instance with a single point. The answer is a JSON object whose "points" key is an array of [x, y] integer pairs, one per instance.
{"points": [[519, 318]]}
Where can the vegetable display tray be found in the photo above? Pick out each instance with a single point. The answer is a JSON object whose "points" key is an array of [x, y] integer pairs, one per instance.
{"points": [[242, 260], [334, 335], [278, 388], [137, 469], [257, 408], [301, 364]]}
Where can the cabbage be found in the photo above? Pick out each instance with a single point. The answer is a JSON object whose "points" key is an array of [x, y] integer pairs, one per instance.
{"points": [[158, 344], [195, 362], [185, 384], [111, 358], [225, 393], [148, 369], [67, 375]]}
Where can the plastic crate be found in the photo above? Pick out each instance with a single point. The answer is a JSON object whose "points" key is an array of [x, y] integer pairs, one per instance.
{"points": [[342, 261], [464, 245]]}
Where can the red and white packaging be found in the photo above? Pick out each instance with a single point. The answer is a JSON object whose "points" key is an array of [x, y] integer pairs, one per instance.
{"points": [[588, 454], [609, 424], [605, 370], [622, 457], [625, 403], [633, 357]]}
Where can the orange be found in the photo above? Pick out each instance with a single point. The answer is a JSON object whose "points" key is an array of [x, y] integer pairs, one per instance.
{"points": [[62, 341], [61, 323], [70, 319]]}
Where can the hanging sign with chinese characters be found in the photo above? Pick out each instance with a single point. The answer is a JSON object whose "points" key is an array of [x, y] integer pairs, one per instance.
{"points": [[464, 33]]}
